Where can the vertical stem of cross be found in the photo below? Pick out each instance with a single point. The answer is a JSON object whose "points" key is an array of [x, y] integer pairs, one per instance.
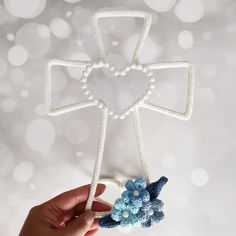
{"points": [[98, 162]]}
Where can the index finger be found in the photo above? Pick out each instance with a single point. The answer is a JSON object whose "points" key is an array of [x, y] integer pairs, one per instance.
{"points": [[71, 198]]}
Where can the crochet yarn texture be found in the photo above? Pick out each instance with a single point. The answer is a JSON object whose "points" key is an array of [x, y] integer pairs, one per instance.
{"points": [[138, 205]]}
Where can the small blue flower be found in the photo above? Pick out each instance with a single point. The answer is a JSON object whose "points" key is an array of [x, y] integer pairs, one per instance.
{"points": [[136, 193], [125, 213], [151, 212]]}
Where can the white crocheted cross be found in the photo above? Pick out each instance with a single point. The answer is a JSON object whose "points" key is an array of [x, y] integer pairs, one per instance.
{"points": [[106, 112]]}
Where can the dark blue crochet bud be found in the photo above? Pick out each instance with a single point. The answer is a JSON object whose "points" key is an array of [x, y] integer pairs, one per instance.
{"points": [[155, 188]]}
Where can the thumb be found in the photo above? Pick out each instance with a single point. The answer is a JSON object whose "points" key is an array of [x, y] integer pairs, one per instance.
{"points": [[81, 225]]}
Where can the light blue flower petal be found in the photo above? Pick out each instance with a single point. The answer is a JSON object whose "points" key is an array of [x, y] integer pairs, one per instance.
{"points": [[126, 196], [130, 185], [120, 204], [116, 215], [133, 209], [135, 221], [125, 222], [137, 202], [145, 196], [140, 184], [146, 206]]}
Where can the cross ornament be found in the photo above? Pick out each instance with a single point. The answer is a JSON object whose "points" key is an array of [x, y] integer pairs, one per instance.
{"points": [[106, 112]]}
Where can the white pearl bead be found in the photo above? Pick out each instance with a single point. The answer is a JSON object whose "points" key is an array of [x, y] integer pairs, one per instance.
{"points": [[83, 79], [144, 70], [121, 117], [116, 73], [100, 105], [127, 113], [151, 86], [84, 86], [152, 80], [125, 214], [123, 73], [86, 92], [110, 113], [150, 212], [149, 92], [85, 74], [127, 69], [112, 68], [106, 65], [150, 74], [136, 193], [90, 97], [145, 97], [115, 116]]}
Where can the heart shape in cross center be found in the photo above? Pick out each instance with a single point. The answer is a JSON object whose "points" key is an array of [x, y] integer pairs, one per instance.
{"points": [[117, 74]]}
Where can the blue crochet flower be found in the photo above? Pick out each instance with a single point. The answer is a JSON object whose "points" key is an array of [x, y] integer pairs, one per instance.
{"points": [[136, 193], [125, 213], [151, 212]]}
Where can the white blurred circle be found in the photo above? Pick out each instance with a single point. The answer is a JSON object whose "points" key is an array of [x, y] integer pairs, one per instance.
{"points": [[160, 5], [3, 67], [209, 70], [14, 199], [75, 72], [23, 171], [40, 135], [150, 52], [4, 213], [43, 31], [185, 39], [24, 93], [7, 159], [168, 160], [189, 10], [34, 38], [25, 8], [8, 105], [17, 55], [199, 177], [10, 37], [77, 131], [60, 28]]}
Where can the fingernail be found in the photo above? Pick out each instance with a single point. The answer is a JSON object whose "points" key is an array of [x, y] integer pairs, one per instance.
{"points": [[89, 216], [62, 224]]}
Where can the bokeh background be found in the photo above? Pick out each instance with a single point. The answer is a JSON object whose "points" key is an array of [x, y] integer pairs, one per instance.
{"points": [[42, 156]]}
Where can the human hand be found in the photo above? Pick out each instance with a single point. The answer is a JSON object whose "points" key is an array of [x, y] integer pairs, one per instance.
{"points": [[65, 215]]}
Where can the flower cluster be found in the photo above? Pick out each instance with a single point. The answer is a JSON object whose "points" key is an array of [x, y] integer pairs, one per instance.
{"points": [[138, 205]]}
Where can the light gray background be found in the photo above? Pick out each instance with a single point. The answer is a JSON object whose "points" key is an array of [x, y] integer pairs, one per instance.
{"points": [[41, 156]]}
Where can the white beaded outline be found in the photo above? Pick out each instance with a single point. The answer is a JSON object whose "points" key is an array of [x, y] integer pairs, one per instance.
{"points": [[117, 74]]}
